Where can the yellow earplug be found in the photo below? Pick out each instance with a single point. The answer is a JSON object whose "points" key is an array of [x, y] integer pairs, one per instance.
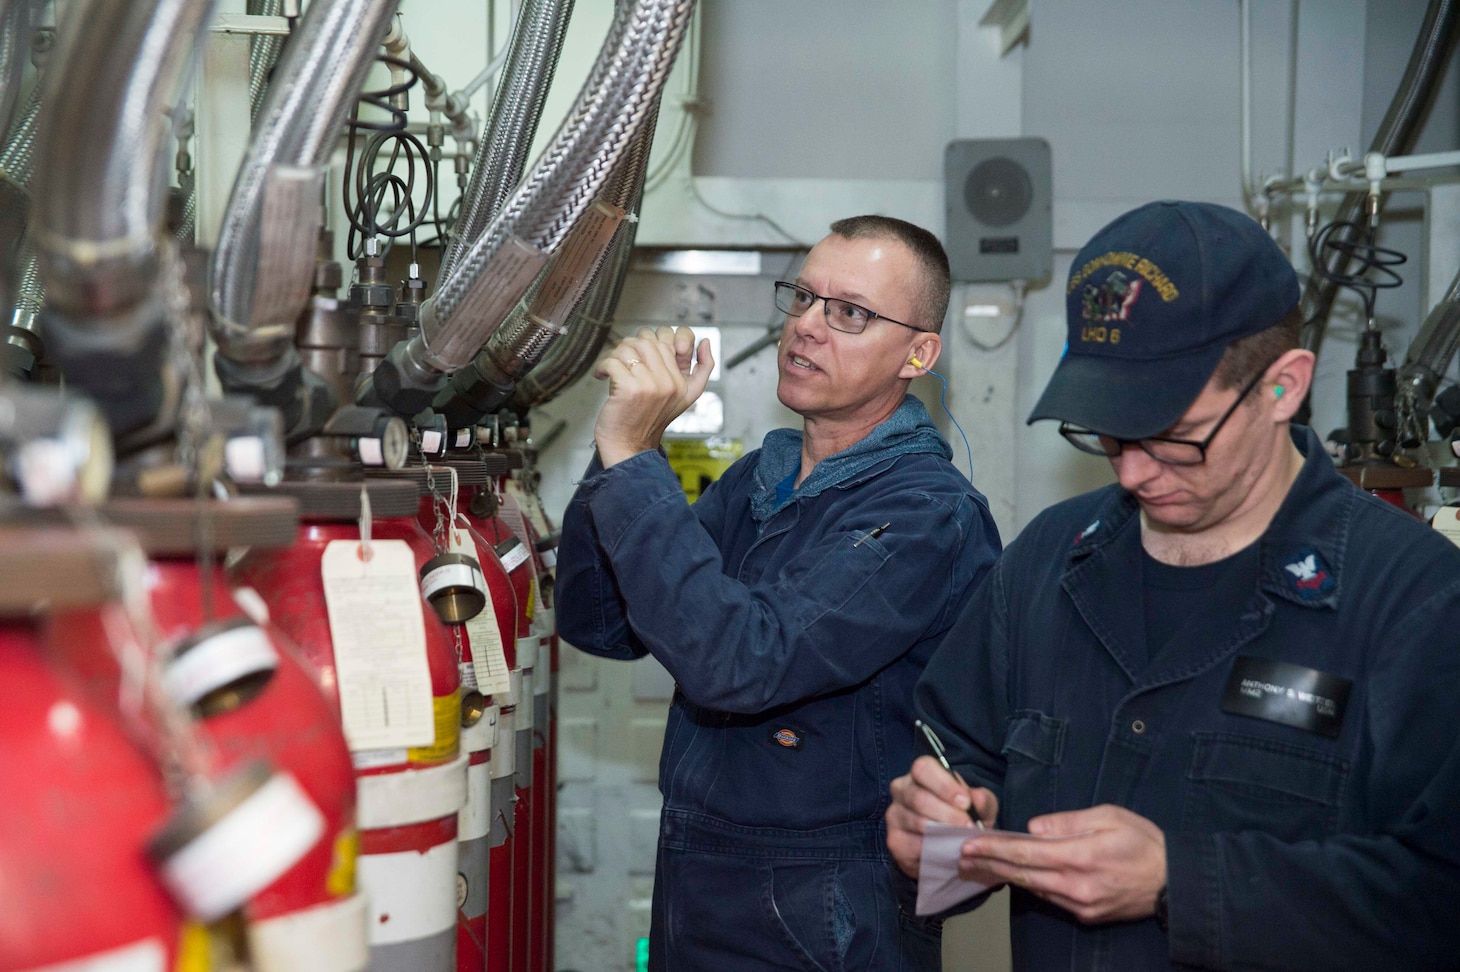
{"points": [[915, 362]]}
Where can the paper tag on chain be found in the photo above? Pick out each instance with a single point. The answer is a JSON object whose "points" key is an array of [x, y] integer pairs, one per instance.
{"points": [[487, 656], [380, 644], [488, 659], [511, 514]]}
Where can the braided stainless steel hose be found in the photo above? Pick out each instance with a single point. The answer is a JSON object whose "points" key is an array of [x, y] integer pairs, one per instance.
{"points": [[537, 42], [621, 91], [543, 319], [263, 54], [97, 202], [316, 83]]}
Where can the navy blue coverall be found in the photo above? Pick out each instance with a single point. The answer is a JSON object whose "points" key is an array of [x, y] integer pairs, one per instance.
{"points": [[1287, 847], [795, 632]]}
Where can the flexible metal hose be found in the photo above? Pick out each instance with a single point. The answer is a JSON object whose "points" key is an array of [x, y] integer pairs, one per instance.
{"points": [[525, 338], [537, 42], [315, 86], [98, 203], [1396, 134], [17, 158], [263, 54], [620, 93], [1430, 353], [570, 358], [17, 161], [14, 42], [187, 226]]}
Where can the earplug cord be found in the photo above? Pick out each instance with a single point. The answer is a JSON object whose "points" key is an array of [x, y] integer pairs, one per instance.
{"points": [[943, 400]]}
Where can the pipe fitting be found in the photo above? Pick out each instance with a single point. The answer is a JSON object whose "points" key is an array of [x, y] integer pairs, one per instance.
{"points": [[115, 360], [404, 385]]}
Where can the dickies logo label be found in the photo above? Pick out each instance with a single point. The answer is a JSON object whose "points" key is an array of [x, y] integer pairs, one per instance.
{"points": [[1309, 575], [789, 738]]}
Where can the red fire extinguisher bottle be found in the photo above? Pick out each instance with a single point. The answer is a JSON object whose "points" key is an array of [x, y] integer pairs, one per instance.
{"points": [[509, 928], [409, 794], [515, 513], [488, 652], [81, 802]]}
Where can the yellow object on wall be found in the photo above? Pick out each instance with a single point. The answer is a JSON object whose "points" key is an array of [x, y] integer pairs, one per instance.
{"points": [[699, 462]]}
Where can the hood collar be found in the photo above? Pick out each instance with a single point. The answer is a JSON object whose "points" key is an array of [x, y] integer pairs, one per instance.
{"points": [[907, 430]]}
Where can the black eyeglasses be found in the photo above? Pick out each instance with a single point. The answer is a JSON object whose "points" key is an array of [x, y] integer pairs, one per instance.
{"points": [[1173, 452], [841, 315]]}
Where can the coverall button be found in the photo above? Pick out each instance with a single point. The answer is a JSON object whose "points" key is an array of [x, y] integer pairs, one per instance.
{"points": [[1138, 727]]}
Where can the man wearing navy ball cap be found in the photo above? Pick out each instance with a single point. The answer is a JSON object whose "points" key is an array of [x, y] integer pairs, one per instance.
{"points": [[1221, 691]]}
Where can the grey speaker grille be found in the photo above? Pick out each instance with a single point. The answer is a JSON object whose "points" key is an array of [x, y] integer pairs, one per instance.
{"points": [[998, 192], [999, 207]]}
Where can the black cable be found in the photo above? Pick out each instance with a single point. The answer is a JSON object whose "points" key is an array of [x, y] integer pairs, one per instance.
{"points": [[1361, 249], [371, 188]]}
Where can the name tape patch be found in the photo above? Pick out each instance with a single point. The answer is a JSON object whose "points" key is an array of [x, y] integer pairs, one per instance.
{"points": [[1292, 695]]}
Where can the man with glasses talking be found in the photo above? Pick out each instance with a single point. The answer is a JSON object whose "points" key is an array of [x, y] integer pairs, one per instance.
{"points": [[795, 604], [1221, 694]]}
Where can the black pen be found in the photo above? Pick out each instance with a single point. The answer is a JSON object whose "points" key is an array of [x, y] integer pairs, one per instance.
{"points": [[937, 747], [875, 532]]}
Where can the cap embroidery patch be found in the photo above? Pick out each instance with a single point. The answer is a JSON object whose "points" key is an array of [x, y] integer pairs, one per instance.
{"points": [[1088, 531], [1309, 575], [789, 738], [1130, 261], [1111, 301]]}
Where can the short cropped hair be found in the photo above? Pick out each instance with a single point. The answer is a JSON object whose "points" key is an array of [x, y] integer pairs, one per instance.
{"points": [[1248, 357], [937, 280]]}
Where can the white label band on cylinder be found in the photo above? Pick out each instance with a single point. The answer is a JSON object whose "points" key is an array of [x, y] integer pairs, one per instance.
{"points": [[452, 575], [217, 661], [397, 799], [245, 851], [325, 938]]}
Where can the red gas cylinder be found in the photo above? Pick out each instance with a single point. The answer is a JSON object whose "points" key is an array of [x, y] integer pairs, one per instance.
{"points": [[509, 928], [529, 923], [487, 657], [81, 803], [544, 545], [253, 700], [409, 792]]}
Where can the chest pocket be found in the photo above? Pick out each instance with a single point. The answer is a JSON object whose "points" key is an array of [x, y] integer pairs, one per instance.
{"points": [[1033, 746], [825, 580], [1244, 783]]}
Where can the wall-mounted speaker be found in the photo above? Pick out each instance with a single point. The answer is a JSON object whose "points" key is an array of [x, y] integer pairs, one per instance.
{"points": [[1000, 222]]}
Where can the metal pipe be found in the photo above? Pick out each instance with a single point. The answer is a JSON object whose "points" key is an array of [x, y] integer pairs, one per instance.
{"points": [[1396, 133], [532, 59], [263, 54], [276, 197], [100, 195], [497, 270], [14, 41], [570, 358], [544, 318], [98, 200]]}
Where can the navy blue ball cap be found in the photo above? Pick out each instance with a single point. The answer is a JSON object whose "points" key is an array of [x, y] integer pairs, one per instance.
{"points": [[1153, 301]]}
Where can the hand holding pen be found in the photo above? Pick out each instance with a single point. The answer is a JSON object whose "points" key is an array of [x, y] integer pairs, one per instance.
{"points": [[941, 753], [932, 792]]}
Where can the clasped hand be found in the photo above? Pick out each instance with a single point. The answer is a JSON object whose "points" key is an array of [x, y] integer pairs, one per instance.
{"points": [[1101, 864], [652, 378]]}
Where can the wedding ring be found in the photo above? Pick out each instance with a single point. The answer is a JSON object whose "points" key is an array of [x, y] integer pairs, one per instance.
{"points": [[631, 362]]}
